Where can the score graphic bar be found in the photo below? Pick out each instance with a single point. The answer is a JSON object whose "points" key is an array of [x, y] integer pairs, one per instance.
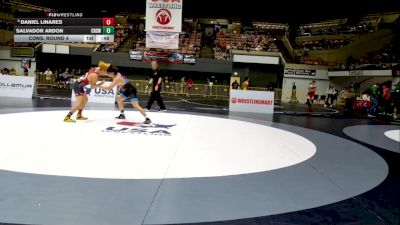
{"points": [[65, 38], [64, 22], [63, 30], [63, 27]]}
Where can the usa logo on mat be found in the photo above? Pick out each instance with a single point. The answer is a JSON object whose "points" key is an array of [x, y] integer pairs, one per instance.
{"points": [[126, 127]]}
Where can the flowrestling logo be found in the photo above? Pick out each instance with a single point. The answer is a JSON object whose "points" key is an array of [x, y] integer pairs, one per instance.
{"points": [[163, 16], [234, 100], [251, 101], [140, 129], [15, 85]]}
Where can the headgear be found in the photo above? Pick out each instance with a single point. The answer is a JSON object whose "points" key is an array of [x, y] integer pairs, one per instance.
{"points": [[103, 65]]}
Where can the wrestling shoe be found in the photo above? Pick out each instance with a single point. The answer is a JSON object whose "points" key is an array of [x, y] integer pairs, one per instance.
{"points": [[147, 121], [121, 116], [80, 117], [69, 120]]}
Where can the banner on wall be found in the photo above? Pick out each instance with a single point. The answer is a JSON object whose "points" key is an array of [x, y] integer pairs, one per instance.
{"points": [[163, 40], [98, 95], [164, 15], [356, 73], [165, 57], [190, 59], [135, 55], [16, 86], [301, 72], [251, 101]]}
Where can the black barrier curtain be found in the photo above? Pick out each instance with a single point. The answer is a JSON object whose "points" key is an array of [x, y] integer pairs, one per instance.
{"points": [[60, 61]]}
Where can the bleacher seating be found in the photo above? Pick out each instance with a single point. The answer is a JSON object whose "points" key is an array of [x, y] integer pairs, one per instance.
{"points": [[322, 27], [308, 61], [332, 34], [6, 24], [341, 26], [275, 29], [324, 44], [122, 33], [385, 58], [106, 47], [251, 42]]}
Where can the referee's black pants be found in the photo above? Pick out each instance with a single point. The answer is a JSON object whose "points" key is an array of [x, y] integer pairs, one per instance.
{"points": [[155, 96]]}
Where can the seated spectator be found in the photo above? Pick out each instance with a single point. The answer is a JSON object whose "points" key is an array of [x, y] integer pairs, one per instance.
{"points": [[5, 71], [13, 72]]}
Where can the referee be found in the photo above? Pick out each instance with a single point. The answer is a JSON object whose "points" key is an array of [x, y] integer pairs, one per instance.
{"points": [[155, 80]]}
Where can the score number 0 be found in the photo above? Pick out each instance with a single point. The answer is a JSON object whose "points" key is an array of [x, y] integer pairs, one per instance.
{"points": [[108, 21]]}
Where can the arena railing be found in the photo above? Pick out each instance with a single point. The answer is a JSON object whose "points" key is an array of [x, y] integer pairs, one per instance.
{"points": [[171, 88], [201, 90], [45, 81]]}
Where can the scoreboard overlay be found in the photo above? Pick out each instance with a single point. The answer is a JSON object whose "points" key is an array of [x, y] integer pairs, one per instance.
{"points": [[64, 27]]}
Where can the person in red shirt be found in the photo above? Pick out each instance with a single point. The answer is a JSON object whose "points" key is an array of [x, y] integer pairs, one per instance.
{"points": [[386, 98], [189, 86], [312, 88]]}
